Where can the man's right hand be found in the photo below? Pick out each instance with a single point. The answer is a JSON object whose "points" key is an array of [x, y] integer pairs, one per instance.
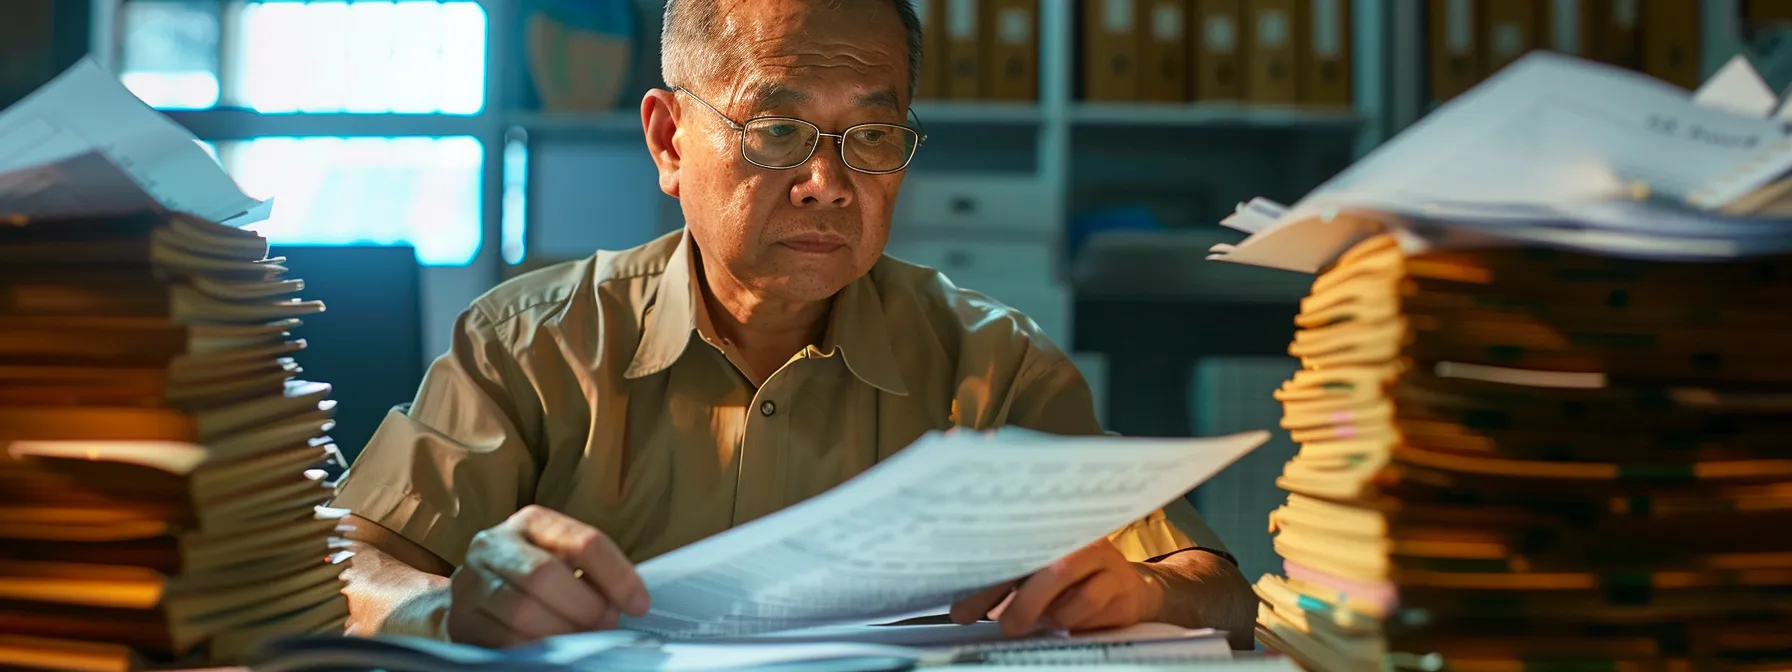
{"points": [[538, 574]]}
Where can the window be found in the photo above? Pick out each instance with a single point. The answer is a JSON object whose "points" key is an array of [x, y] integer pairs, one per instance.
{"points": [[338, 58], [367, 191]]}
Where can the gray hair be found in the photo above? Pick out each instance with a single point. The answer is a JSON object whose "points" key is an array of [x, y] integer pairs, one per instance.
{"points": [[692, 28]]}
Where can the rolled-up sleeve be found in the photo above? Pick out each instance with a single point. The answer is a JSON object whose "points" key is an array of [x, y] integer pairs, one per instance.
{"points": [[457, 460], [1052, 396]]}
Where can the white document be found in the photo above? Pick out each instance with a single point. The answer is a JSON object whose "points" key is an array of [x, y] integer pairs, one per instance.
{"points": [[1549, 130], [946, 517], [1255, 215], [84, 145], [930, 646], [1737, 87]]}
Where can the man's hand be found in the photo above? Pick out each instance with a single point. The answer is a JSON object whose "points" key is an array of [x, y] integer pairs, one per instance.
{"points": [[1090, 589], [539, 574]]}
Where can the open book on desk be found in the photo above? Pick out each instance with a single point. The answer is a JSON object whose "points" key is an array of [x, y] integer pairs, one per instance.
{"points": [[858, 649], [950, 515]]}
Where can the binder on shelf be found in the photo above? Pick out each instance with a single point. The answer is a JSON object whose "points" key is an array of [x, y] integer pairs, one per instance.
{"points": [[1011, 68], [1218, 51], [931, 80], [1767, 11], [964, 51], [1273, 51], [1454, 59], [1110, 50], [1510, 30], [1163, 65], [1670, 41], [1618, 33], [1325, 72], [1568, 27]]}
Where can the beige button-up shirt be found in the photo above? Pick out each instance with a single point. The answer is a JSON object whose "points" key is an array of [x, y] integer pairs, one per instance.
{"points": [[596, 388]]}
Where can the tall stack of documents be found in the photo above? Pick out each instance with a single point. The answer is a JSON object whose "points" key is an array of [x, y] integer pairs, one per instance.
{"points": [[154, 497], [1518, 456], [158, 503], [1545, 402]]}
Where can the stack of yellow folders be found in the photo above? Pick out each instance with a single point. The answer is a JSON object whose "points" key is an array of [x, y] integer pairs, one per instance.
{"points": [[158, 491], [1521, 459]]}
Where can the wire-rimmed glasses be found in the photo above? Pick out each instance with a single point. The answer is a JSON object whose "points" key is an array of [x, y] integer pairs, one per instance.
{"points": [[783, 143]]}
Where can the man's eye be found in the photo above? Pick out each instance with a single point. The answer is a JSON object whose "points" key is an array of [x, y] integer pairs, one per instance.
{"points": [[781, 130], [872, 135]]}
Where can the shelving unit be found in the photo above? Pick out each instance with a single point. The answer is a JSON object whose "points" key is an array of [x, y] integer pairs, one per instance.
{"points": [[1058, 141], [1045, 138]]}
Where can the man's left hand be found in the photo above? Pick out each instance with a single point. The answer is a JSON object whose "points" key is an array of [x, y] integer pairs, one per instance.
{"points": [[1093, 588]]}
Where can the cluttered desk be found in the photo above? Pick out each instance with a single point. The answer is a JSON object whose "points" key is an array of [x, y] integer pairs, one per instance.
{"points": [[1538, 428]]}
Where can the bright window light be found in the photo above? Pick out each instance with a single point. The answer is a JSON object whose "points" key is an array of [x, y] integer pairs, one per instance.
{"points": [[413, 56], [170, 53], [513, 226], [424, 192], [369, 57]]}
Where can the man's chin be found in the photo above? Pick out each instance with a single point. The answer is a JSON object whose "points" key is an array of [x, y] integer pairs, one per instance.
{"points": [[810, 283]]}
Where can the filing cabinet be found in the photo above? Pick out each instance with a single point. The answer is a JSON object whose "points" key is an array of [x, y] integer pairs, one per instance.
{"points": [[975, 263], [975, 203]]}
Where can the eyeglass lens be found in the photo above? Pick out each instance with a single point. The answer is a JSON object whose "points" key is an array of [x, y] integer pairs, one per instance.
{"points": [[784, 143]]}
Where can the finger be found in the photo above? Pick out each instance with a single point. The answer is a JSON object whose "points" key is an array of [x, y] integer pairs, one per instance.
{"points": [[611, 619], [524, 613], [539, 574], [584, 547], [476, 627], [976, 607], [1085, 605], [1039, 591]]}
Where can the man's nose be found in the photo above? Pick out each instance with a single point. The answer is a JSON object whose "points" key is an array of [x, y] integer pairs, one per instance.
{"points": [[825, 180]]}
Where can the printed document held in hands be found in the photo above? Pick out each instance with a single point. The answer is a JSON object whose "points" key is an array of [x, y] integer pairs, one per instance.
{"points": [[952, 514], [84, 145], [1550, 144]]}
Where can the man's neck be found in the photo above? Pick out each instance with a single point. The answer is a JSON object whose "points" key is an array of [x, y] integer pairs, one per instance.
{"points": [[766, 332]]}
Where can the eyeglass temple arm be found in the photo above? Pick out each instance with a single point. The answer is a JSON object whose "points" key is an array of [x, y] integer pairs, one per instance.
{"points": [[732, 125], [921, 127]]}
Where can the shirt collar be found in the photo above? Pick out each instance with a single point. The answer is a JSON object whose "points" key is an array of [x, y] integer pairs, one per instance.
{"points": [[856, 328]]}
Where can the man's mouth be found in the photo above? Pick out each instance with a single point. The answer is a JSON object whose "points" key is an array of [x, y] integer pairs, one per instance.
{"points": [[816, 243]]}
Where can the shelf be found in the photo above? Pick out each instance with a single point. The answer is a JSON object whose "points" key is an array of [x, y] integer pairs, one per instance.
{"points": [[577, 125], [223, 124], [938, 112], [1226, 115]]}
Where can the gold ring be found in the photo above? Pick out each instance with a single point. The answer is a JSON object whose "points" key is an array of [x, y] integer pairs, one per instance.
{"points": [[578, 573]]}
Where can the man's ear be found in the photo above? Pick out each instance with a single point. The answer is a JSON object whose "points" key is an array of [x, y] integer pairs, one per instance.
{"points": [[660, 125]]}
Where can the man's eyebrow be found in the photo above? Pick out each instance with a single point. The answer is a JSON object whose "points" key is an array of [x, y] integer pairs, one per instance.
{"points": [[884, 98], [770, 96]]}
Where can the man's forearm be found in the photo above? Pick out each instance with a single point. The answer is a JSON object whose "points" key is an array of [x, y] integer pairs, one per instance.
{"points": [[1203, 590], [387, 595]]}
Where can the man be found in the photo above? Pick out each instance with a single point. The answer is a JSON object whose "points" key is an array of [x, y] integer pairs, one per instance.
{"points": [[595, 414]]}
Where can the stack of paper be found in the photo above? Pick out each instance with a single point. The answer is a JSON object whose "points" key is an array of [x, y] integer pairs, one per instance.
{"points": [[1543, 418], [155, 500], [1561, 152], [1522, 456]]}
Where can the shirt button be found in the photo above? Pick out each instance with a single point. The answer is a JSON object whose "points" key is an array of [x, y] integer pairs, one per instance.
{"points": [[767, 409]]}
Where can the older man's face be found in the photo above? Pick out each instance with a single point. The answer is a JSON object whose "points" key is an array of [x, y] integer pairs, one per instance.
{"points": [[799, 234]]}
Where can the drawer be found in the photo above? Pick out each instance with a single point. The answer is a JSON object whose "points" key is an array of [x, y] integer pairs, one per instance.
{"points": [[976, 202], [973, 263]]}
